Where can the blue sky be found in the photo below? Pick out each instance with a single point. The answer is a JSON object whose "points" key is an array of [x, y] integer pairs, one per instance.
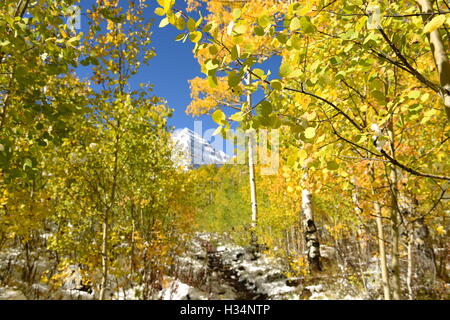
{"points": [[171, 68], [169, 71]]}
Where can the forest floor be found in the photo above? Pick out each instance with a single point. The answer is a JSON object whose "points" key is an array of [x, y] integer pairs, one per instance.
{"points": [[216, 269], [211, 268]]}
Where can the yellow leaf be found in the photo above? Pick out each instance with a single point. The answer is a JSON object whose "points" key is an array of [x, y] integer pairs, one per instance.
{"points": [[302, 155], [310, 133], [440, 230], [305, 9], [434, 24]]}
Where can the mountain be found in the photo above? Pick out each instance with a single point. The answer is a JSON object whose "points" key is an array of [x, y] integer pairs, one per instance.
{"points": [[192, 150]]}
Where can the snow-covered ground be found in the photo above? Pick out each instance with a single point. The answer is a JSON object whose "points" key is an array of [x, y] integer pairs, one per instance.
{"points": [[211, 267], [229, 271], [258, 272]]}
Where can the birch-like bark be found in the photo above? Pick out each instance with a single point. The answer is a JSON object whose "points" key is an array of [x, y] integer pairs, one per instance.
{"points": [[311, 234], [105, 236], [382, 248], [381, 242], [251, 167], [439, 55], [358, 211], [409, 275], [133, 229], [395, 260], [407, 208], [426, 261], [362, 243]]}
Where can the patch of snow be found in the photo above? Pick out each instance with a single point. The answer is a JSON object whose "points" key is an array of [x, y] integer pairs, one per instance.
{"points": [[192, 149], [73, 294], [178, 290], [319, 296], [7, 293], [315, 289]]}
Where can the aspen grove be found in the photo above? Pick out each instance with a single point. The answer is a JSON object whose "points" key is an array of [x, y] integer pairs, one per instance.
{"points": [[95, 205]]}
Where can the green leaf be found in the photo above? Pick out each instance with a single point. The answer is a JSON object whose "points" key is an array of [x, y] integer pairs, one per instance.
{"points": [[258, 31], [4, 43], [41, 142], [27, 163], [306, 25], [414, 94], [285, 70], [180, 37], [85, 62], [264, 21], [259, 72], [332, 165], [296, 42], [213, 49], [235, 52], [219, 117], [302, 155], [335, 61], [239, 116], [236, 13], [282, 38], [265, 108], [74, 40], [357, 2], [233, 79], [240, 28], [276, 84], [379, 95], [340, 75], [191, 24], [208, 27], [371, 39], [212, 80]]}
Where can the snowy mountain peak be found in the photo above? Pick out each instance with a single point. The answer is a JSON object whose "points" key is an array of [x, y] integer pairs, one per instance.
{"points": [[191, 149]]}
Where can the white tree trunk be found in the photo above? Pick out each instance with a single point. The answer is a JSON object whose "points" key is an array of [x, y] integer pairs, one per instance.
{"points": [[395, 260], [410, 264], [381, 241], [358, 211], [439, 55], [251, 167], [311, 236], [105, 236], [382, 249]]}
